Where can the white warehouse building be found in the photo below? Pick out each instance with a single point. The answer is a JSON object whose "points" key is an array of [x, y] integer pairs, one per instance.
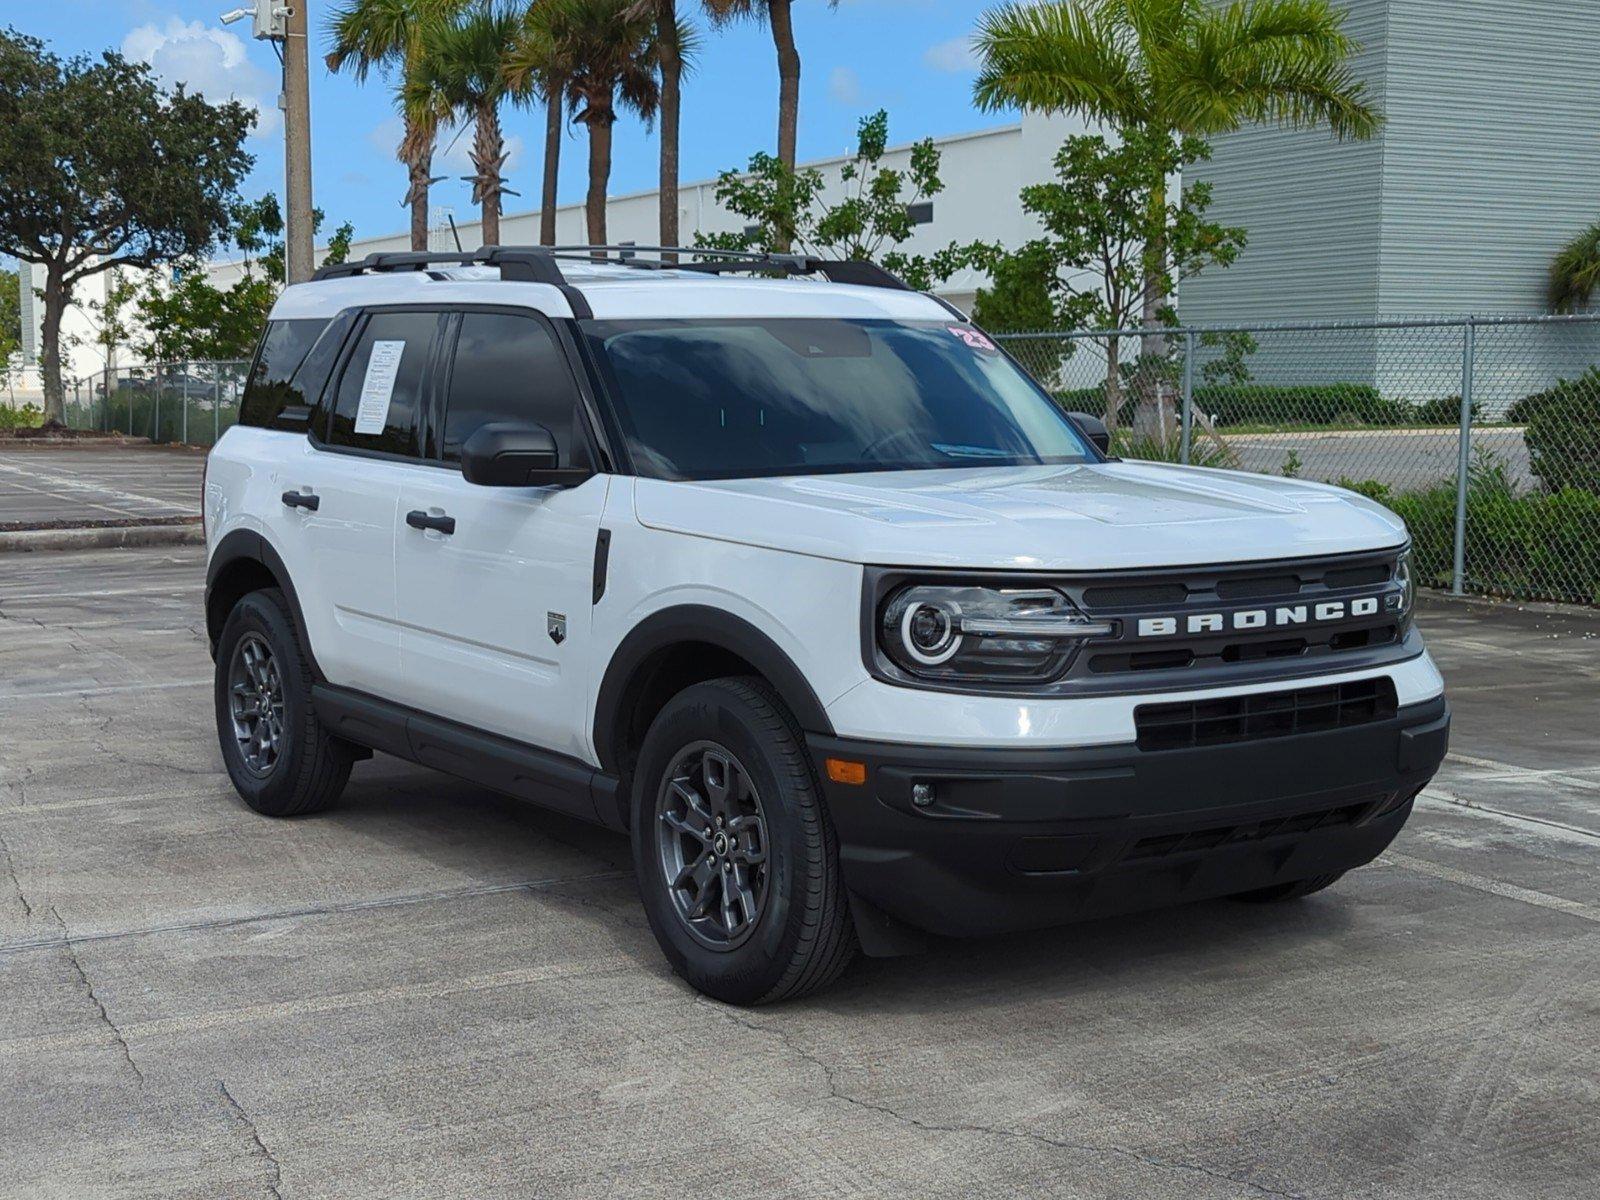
{"points": [[983, 174]]}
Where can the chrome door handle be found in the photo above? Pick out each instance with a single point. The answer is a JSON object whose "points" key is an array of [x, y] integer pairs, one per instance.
{"points": [[303, 500], [418, 519]]}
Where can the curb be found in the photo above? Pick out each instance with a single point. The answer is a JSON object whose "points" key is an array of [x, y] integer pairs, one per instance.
{"points": [[126, 537]]}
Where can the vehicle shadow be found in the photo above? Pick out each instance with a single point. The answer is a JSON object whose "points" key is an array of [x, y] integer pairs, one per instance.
{"points": [[588, 873]]}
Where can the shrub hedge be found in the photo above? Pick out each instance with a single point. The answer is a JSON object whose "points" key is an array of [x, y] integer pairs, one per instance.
{"points": [[1292, 404], [1534, 547], [1563, 432], [24, 417]]}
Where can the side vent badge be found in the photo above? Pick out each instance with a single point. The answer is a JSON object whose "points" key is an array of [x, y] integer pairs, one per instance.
{"points": [[556, 625]]}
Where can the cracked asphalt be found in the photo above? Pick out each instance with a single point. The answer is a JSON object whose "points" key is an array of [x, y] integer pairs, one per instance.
{"points": [[436, 991]]}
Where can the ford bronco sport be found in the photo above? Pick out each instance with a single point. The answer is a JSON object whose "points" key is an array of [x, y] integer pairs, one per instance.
{"points": [[794, 576]]}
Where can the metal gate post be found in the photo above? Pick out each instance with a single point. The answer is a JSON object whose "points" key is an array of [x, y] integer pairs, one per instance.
{"points": [[1463, 457], [1187, 416], [183, 398], [216, 406]]}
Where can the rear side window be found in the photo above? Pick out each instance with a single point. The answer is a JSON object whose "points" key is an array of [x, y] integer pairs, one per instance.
{"points": [[382, 392], [271, 386], [511, 368]]}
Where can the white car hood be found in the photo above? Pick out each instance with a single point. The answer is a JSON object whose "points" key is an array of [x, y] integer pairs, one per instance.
{"points": [[1101, 516]]}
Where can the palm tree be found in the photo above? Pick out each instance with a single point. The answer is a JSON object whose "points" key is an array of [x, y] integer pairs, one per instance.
{"points": [[387, 36], [676, 44], [609, 55], [780, 19], [540, 64], [462, 74], [1575, 272], [1182, 68]]}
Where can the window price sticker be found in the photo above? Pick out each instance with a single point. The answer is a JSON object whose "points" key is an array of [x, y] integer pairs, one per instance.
{"points": [[377, 389]]}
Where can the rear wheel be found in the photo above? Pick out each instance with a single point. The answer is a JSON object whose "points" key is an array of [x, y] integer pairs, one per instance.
{"points": [[1289, 891], [737, 860], [280, 758]]}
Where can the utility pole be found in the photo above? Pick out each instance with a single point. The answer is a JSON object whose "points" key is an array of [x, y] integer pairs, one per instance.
{"points": [[301, 252], [288, 25]]}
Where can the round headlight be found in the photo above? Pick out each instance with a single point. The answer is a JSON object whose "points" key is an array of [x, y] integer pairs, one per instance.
{"points": [[930, 632]]}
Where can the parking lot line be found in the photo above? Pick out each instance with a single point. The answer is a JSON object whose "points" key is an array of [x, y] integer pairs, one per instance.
{"points": [[1494, 887], [106, 690]]}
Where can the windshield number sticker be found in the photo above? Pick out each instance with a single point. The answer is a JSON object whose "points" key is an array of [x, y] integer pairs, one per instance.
{"points": [[377, 389], [974, 338]]}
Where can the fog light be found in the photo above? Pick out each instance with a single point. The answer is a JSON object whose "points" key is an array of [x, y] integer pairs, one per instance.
{"points": [[922, 794]]}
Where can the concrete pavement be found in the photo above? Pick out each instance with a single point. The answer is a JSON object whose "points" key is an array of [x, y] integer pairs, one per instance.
{"points": [[435, 991]]}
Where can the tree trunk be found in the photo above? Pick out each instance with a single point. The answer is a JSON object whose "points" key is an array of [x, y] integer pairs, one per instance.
{"points": [[1113, 385], [487, 157], [1153, 419], [56, 294], [599, 119], [779, 15], [671, 81], [419, 167], [552, 164]]}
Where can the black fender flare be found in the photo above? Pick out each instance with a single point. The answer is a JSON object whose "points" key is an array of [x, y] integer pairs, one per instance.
{"points": [[249, 545], [700, 623]]}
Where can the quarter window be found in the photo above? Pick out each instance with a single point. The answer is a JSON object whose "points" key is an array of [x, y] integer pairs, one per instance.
{"points": [[511, 368], [272, 385], [382, 392]]}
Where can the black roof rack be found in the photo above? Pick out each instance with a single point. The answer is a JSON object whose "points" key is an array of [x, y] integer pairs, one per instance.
{"points": [[542, 264]]}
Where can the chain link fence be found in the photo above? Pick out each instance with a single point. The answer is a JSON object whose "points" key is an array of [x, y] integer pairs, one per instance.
{"points": [[188, 403], [1501, 490]]}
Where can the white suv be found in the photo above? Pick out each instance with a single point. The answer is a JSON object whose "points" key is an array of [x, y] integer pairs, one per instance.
{"points": [[805, 585]]}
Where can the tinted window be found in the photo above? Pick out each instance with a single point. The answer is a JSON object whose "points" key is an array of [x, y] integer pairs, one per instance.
{"points": [[271, 386], [729, 398], [510, 368], [383, 389]]}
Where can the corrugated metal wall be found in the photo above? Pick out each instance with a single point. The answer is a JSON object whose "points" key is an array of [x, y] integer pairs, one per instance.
{"points": [[1311, 206]]}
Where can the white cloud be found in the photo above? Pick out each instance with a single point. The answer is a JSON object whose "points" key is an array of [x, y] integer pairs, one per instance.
{"points": [[959, 55], [208, 61], [844, 86]]}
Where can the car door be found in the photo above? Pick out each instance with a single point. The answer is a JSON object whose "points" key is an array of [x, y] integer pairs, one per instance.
{"points": [[495, 611], [366, 438]]}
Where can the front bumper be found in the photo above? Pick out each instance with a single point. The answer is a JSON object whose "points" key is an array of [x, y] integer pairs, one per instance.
{"points": [[1019, 839]]}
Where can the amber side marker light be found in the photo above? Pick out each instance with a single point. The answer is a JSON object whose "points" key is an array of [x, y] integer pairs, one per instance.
{"points": [[842, 770]]}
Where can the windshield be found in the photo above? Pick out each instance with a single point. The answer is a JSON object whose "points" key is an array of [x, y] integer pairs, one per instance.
{"points": [[727, 398]]}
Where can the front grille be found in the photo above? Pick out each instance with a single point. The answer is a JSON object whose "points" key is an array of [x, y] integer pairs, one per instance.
{"points": [[1168, 844], [1193, 723]]}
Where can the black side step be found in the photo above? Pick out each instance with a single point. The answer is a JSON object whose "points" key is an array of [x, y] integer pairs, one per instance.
{"points": [[547, 779]]}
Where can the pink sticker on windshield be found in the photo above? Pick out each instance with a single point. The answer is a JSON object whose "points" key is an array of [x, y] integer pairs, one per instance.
{"points": [[974, 338]]}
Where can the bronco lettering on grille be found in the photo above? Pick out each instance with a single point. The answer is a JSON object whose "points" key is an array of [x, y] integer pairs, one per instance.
{"points": [[1258, 618]]}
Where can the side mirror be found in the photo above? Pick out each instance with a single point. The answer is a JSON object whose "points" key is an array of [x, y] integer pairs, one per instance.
{"points": [[515, 454], [1094, 429]]}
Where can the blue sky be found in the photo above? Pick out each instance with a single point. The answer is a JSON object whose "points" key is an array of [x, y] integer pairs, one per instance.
{"points": [[909, 56]]}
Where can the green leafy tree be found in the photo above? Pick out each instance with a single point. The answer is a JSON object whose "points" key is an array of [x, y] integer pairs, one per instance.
{"points": [[1175, 69], [190, 319], [1097, 226], [462, 74], [1575, 272], [387, 36], [10, 315], [786, 209], [150, 186]]}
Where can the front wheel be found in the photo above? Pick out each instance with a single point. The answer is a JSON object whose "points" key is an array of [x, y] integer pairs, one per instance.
{"points": [[737, 860], [282, 761]]}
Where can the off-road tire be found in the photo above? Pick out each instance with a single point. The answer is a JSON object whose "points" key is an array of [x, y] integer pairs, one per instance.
{"points": [[313, 765], [803, 938]]}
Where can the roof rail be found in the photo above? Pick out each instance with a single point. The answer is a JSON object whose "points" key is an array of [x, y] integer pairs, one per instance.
{"points": [[542, 264]]}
